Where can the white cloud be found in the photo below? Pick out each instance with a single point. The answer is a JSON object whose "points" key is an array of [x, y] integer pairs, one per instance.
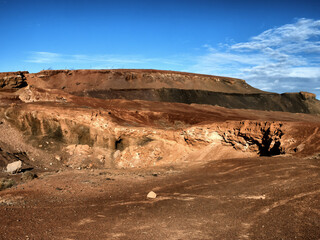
{"points": [[284, 37], [280, 59], [302, 72]]}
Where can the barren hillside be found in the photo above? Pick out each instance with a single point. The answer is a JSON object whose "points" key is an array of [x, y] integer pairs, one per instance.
{"points": [[96, 136]]}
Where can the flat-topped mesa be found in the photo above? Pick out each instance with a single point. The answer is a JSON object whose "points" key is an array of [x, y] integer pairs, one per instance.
{"points": [[75, 81], [156, 86]]}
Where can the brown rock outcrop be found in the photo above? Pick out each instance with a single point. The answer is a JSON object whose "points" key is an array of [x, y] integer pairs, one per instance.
{"points": [[12, 80]]}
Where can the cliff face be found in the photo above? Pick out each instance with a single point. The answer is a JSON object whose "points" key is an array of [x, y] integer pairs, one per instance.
{"points": [[51, 118], [137, 134], [287, 102]]}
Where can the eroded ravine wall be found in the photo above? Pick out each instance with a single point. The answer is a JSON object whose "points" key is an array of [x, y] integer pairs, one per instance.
{"points": [[94, 139]]}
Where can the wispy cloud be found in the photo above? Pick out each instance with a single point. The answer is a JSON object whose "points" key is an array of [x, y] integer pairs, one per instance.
{"points": [[49, 57], [96, 61], [284, 58], [44, 57]]}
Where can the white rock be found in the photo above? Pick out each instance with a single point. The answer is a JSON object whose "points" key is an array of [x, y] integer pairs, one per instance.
{"points": [[151, 195], [14, 167]]}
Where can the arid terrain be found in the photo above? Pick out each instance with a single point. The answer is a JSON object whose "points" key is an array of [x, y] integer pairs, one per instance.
{"points": [[226, 160]]}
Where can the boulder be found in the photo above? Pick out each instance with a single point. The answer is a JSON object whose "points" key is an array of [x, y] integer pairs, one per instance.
{"points": [[14, 167]]}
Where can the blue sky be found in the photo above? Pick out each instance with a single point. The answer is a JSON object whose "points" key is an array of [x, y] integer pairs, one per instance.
{"points": [[274, 45]]}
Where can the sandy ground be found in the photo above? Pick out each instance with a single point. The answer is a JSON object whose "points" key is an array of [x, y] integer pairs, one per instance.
{"points": [[258, 198]]}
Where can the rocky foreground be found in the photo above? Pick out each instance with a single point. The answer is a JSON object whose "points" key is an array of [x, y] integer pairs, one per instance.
{"points": [[226, 160]]}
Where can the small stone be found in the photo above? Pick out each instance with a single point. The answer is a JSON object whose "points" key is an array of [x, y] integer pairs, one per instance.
{"points": [[58, 158], [152, 195], [14, 167], [51, 164]]}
